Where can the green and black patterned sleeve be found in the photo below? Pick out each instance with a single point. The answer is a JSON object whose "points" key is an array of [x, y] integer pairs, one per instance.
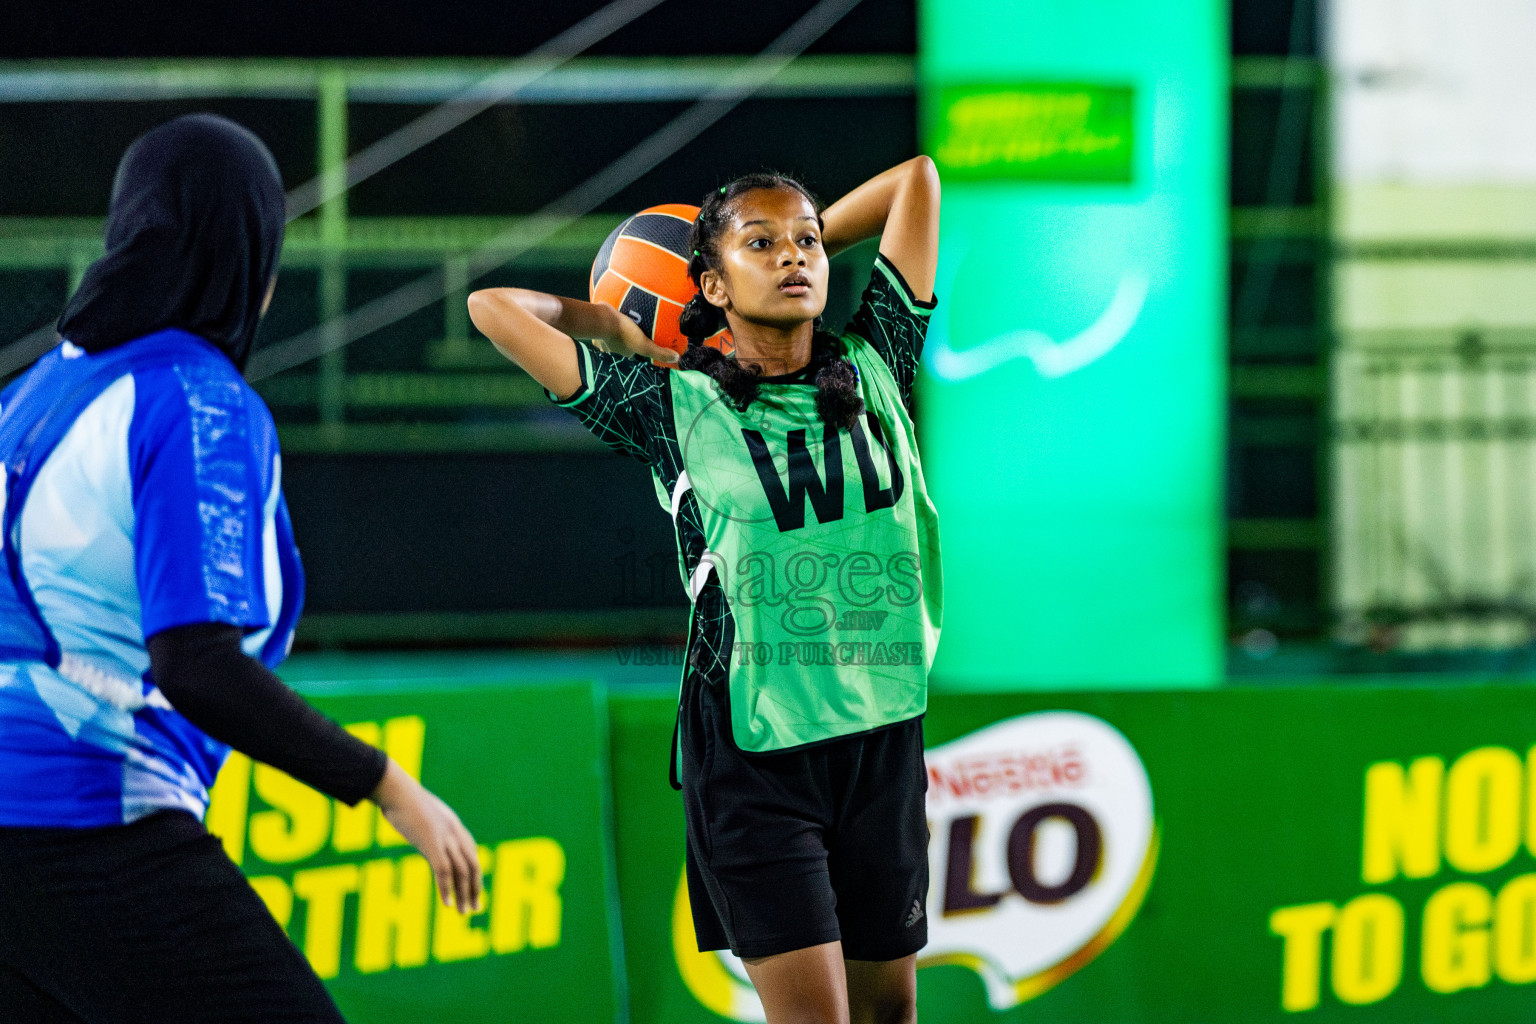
{"points": [[621, 400], [894, 323]]}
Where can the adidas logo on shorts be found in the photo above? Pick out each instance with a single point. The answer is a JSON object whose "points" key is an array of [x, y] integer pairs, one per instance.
{"points": [[916, 915]]}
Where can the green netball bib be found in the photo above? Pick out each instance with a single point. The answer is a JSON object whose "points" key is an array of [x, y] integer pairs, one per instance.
{"points": [[823, 542]]}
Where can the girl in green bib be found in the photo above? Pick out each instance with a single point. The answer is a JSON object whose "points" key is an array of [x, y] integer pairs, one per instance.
{"points": [[809, 550]]}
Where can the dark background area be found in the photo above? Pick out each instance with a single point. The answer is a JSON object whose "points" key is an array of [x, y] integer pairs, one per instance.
{"points": [[553, 530], [396, 28], [477, 28], [464, 533]]}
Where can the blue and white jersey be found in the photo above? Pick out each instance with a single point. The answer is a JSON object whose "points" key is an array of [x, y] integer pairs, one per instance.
{"points": [[142, 491]]}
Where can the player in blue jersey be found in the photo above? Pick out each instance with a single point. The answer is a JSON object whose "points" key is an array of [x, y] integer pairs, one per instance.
{"points": [[149, 585]]}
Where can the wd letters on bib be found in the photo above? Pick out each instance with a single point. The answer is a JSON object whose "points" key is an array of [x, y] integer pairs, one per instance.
{"points": [[821, 590]]}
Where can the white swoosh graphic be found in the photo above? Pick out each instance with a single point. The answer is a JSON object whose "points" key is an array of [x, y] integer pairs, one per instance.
{"points": [[1051, 358]]}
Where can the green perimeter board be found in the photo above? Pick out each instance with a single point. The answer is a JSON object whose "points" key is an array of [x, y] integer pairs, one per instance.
{"points": [[1259, 799], [648, 844], [525, 766]]}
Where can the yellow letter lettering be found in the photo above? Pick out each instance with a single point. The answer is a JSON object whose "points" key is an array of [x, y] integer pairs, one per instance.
{"points": [[1367, 949], [228, 802], [1514, 930], [1455, 939], [454, 935], [1301, 970], [404, 739], [1482, 809], [324, 892], [299, 823], [394, 905], [1402, 820], [525, 899], [1530, 802], [353, 830]]}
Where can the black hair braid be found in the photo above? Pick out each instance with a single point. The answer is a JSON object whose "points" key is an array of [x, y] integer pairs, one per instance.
{"points": [[837, 381], [700, 320]]}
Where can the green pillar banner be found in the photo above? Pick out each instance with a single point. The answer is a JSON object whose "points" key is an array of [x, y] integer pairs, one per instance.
{"points": [[1072, 402]]}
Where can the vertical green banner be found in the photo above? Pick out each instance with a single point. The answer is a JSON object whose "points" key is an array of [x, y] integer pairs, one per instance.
{"points": [[526, 769], [1072, 402]]}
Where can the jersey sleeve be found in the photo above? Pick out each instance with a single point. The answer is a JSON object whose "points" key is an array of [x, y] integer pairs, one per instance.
{"points": [[202, 452], [620, 400], [894, 322]]}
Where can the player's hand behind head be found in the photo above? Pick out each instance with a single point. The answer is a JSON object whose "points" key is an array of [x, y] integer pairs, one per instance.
{"points": [[435, 830], [629, 340]]}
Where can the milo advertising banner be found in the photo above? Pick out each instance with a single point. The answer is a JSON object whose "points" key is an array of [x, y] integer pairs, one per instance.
{"points": [[526, 768], [1331, 854]]}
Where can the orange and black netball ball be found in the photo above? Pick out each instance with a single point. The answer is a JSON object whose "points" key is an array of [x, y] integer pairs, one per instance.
{"points": [[642, 271]]}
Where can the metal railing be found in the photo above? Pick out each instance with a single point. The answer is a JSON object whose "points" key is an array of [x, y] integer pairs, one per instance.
{"points": [[348, 410], [1435, 465], [331, 243]]}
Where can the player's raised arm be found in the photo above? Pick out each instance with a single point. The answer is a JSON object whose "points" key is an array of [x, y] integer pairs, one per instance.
{"points": [[901, 206], [534, 330]]}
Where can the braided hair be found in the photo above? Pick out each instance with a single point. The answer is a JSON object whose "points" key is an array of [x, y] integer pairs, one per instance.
{"points": [[837, 382]]}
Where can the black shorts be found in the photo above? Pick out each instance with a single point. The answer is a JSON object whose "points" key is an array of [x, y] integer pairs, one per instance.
{"points": [[140, 923], [820, 844]]}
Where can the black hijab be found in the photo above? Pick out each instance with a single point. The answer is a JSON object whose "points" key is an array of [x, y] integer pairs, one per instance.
{"points": [[194, 230]]}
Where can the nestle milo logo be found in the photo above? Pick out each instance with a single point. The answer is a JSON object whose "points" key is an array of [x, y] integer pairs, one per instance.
{"points": [[1042, 848]]}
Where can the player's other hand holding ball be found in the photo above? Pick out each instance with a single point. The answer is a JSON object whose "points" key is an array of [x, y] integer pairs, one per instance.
{"points": [[625, 338]]}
